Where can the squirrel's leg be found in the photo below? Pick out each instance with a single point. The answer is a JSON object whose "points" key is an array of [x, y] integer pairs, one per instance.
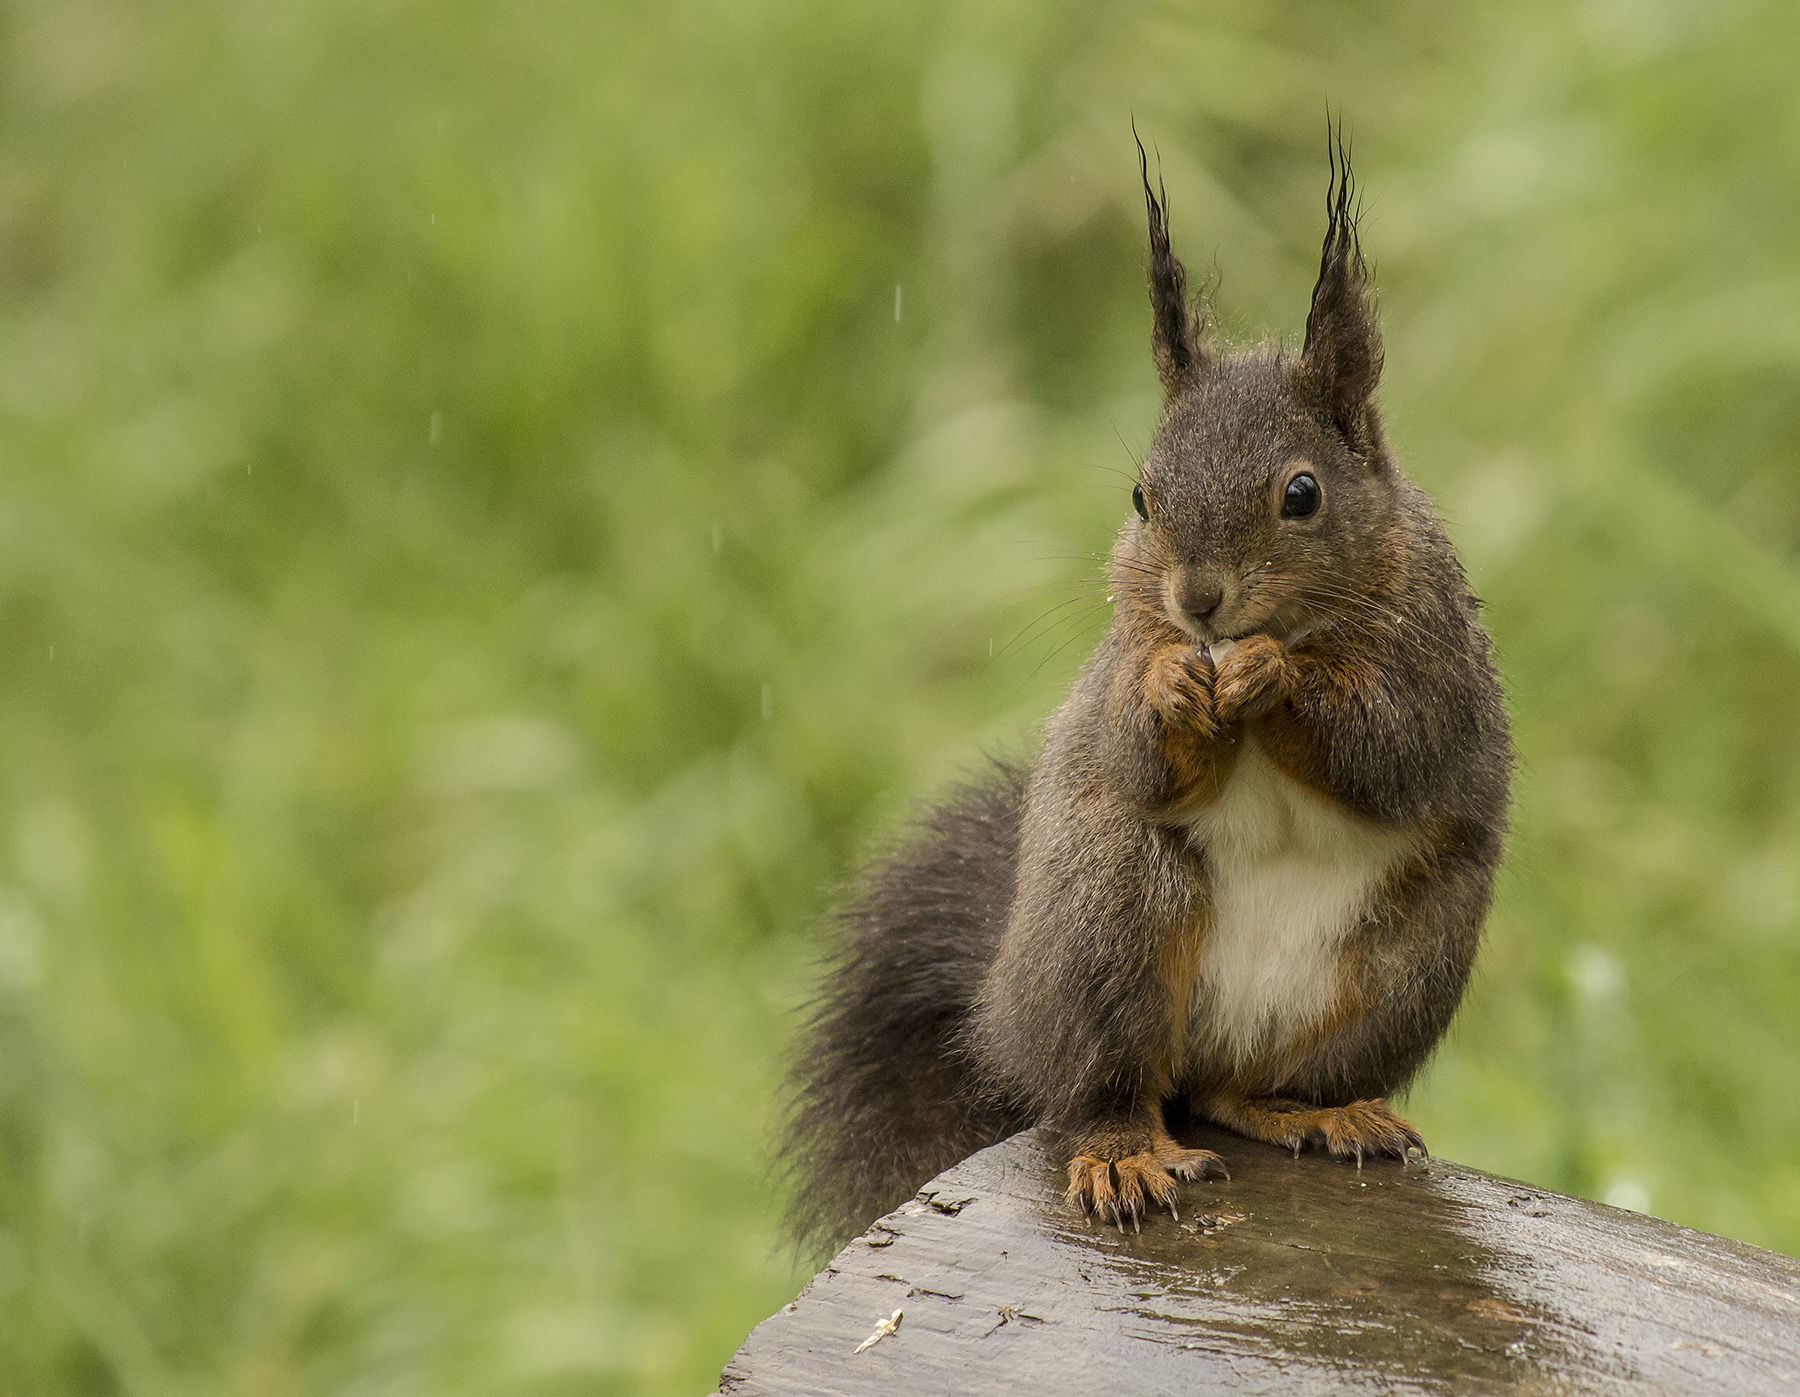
{"points": [[1083, 1012], [1352, 1131], [1124, 1166]]}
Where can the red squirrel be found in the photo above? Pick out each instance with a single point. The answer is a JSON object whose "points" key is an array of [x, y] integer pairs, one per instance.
{"points": [[1246, 875]]}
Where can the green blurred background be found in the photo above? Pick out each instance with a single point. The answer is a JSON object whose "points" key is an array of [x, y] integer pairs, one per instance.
{"points": [[501, 502]]}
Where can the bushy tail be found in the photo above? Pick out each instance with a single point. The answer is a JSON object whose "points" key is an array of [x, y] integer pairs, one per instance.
{"points": [[881, 1096]]}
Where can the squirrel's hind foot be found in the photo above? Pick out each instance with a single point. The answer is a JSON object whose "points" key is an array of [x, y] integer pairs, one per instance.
{"points": [[1120, 1186], [1349, 1132]]}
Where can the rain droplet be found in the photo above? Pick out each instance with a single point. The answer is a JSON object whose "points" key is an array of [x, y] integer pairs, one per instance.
{"points": [[768, 701], [437, 428]]}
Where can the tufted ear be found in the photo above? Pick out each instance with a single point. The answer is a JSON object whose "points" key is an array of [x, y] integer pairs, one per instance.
{"points": [[1341, 362], [1176, 326]]}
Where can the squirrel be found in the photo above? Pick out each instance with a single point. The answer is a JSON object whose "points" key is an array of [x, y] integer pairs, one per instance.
{"points": [[1245, 877]]}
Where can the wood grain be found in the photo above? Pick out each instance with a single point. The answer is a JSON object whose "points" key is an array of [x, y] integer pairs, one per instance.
{"points": [[1295, 1276]]}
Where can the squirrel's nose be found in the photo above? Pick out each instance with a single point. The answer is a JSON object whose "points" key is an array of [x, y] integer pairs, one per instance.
{"points": [[1200, 600]]}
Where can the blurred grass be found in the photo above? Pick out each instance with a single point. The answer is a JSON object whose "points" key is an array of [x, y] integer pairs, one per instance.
{"points": [[484, 541]]}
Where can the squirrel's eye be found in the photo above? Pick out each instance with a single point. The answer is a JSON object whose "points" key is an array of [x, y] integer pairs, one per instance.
{"points": [[1137, 502], [1302, 498]]}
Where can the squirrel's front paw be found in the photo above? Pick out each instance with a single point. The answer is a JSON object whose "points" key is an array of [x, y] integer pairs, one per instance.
{"points": [[1178, 685], [1251, 679]]}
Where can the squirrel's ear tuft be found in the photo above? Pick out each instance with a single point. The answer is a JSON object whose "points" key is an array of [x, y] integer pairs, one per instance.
{"points": [[1176, 326], [1341, 363]]}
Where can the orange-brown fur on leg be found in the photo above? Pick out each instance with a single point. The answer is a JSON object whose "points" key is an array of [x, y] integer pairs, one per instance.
{"points": [[1352, 1131], [1122, 1169]]}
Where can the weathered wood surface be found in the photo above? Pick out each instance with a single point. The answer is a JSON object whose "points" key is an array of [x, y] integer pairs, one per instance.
{"points": [[1295, 1276]]}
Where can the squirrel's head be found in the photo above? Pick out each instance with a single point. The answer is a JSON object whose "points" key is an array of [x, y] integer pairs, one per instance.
{"points": [[1269, 480]]}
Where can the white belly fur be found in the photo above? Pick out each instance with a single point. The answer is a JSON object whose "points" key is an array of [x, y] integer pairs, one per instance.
{"points": [[1291, 874]]}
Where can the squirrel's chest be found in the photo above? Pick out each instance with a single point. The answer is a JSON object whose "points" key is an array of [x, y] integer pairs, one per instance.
{"points": [[1291, 874]]}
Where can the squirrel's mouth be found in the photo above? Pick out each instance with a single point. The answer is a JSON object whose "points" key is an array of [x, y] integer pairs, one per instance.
{"points": [[1203, 634], [1272, 616]]}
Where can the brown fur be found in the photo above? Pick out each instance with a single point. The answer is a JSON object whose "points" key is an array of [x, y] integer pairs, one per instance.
{"points": [[1036, 956]]}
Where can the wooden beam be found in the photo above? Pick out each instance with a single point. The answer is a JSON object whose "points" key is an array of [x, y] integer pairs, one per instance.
{"points": [[1295, 1276]]}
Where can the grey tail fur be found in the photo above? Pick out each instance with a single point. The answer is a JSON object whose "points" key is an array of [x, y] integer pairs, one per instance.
{"points": [[882, 1097]]}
